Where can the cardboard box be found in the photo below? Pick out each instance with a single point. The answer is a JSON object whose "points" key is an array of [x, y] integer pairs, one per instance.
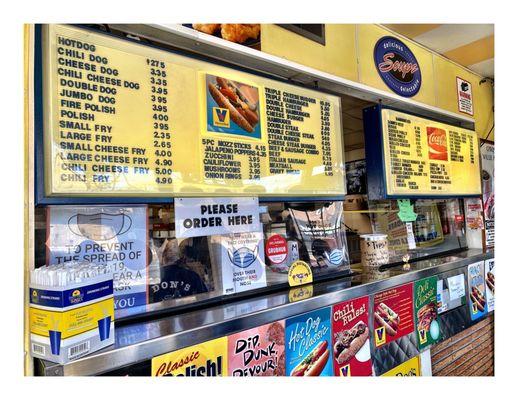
{"points": [[70, 322]]}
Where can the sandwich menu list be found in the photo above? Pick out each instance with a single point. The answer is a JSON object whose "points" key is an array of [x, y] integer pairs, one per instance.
{"points": [[127, 119], [428, 158]]}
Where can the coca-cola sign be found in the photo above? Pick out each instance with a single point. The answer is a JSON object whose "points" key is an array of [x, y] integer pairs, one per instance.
{"points": [[397, 66]]}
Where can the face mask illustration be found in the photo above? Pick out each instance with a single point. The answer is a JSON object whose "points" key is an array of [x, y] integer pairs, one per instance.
{"points": [[100, 226], [242, 257], [335, 257]]}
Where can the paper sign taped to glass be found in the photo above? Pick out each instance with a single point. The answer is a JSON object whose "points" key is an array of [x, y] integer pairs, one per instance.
{"points": [[241, 258], [148, 122], [113, 235], [216, 216]]}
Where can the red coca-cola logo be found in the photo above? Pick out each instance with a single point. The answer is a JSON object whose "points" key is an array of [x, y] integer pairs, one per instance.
{"points": [[437, 145]]}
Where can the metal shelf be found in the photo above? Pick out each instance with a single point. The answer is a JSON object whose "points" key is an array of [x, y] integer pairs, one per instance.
{"points": [[144, 340], [216, 48]]}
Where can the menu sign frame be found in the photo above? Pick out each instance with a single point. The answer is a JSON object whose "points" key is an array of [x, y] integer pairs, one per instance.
{"points": [[420, 157], [303, 160]]}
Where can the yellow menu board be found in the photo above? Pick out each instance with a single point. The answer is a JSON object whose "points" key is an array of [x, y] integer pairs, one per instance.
{"points": [[125, 119], [424, 157]]}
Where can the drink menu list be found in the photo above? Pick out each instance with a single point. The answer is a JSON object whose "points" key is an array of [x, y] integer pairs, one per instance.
{"points": [[128, 122], [426, 157]]}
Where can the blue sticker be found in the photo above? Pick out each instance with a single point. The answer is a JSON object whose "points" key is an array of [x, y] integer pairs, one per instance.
{"points": [[397, 66]]}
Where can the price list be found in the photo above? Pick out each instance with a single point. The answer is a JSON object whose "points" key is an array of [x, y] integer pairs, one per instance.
{"points": [[426, 158], [291, 143], [100, 105], [124, 119], [162, 143], [325, 133]]}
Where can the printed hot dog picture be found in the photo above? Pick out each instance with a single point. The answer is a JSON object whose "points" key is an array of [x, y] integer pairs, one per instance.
{"points": [[425, 301], [308, 344], [477, 290], [393, 314], [232, 107], [490, 284], [258, 351], [351, 344]]}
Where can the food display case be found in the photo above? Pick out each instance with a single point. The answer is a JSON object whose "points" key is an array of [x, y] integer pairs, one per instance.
{"points": [[227, 190]]}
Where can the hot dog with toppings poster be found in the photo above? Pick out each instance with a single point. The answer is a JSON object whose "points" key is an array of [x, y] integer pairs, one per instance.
{"points": [[425, 302], [351, 344], [477, 290], [308, 344], [393, 314], [232, 107], [258, 351], [490, 284]]}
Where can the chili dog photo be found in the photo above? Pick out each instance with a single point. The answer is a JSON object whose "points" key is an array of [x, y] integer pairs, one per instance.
{"points": [[232, 107], [348, 343], [386, 317], [351, 344], [314, 362]]}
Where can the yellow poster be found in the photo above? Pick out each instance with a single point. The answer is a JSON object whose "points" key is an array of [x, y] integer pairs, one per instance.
{"points": [[204, 359], [125, 119], [408, 368], [424, 157]]}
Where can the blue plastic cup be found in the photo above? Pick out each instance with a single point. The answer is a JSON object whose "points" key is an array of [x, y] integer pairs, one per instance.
{"points": [[104, 327], [55, 342]]}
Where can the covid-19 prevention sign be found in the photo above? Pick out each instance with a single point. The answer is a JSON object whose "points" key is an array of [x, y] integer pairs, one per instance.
{"points": [[216, 216], [113, 236]]}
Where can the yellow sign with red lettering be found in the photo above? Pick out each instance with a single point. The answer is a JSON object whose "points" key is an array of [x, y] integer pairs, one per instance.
{"points": [[204, 359]]}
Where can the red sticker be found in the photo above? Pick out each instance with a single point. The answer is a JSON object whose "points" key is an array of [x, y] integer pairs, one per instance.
{"points": [[276, 249]]}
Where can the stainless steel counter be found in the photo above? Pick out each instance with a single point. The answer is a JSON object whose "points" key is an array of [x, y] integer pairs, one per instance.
{"points": [[141, 341]]}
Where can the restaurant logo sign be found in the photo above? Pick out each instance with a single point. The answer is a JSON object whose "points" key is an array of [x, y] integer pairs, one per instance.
{"points": [[397, 66]]}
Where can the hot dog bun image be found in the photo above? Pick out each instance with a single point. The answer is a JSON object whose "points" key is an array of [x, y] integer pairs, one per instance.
{"points": [[490, 282], [242, 101], [314, 363], [477, 298], [349, 342], [386, 317]]}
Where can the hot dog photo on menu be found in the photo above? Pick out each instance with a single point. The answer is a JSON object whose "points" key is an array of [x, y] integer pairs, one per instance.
{"points": [[351, 344], [232, 107], [308, 344]]}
